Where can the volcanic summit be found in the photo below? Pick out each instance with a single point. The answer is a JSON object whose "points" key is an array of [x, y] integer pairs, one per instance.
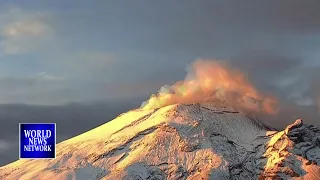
{"points": [[206, 140]]}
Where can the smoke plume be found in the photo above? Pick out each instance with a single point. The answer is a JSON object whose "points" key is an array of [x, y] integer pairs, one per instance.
{"points": [[213, 80]]}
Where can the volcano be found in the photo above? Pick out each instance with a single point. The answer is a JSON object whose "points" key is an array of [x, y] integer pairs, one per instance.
{"points": [[207, 140]]}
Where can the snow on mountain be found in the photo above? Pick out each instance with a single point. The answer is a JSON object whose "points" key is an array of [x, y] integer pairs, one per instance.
{"points": [[182, 141]]}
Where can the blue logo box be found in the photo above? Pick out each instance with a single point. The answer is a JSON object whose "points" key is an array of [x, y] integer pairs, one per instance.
{"points": [[37, 140]]}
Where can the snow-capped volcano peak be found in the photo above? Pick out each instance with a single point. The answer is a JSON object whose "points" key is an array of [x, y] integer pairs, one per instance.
{"points": [[181, 141]]}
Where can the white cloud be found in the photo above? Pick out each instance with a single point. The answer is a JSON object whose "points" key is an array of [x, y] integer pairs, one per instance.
{"points": [[23, 31], [286, 81], [25, 28], [44, 76], [301, 99]]}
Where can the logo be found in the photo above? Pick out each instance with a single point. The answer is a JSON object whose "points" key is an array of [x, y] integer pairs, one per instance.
{"points": [[37, 140]]}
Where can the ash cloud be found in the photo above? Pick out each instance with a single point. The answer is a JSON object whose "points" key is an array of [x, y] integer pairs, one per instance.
{"points": [[213, 80]]}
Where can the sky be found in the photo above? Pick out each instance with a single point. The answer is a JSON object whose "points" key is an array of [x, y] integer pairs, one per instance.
{"points": [[114, 54]]}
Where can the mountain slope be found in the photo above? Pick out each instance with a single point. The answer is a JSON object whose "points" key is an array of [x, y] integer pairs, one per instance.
{"points": [[196, 141]]}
